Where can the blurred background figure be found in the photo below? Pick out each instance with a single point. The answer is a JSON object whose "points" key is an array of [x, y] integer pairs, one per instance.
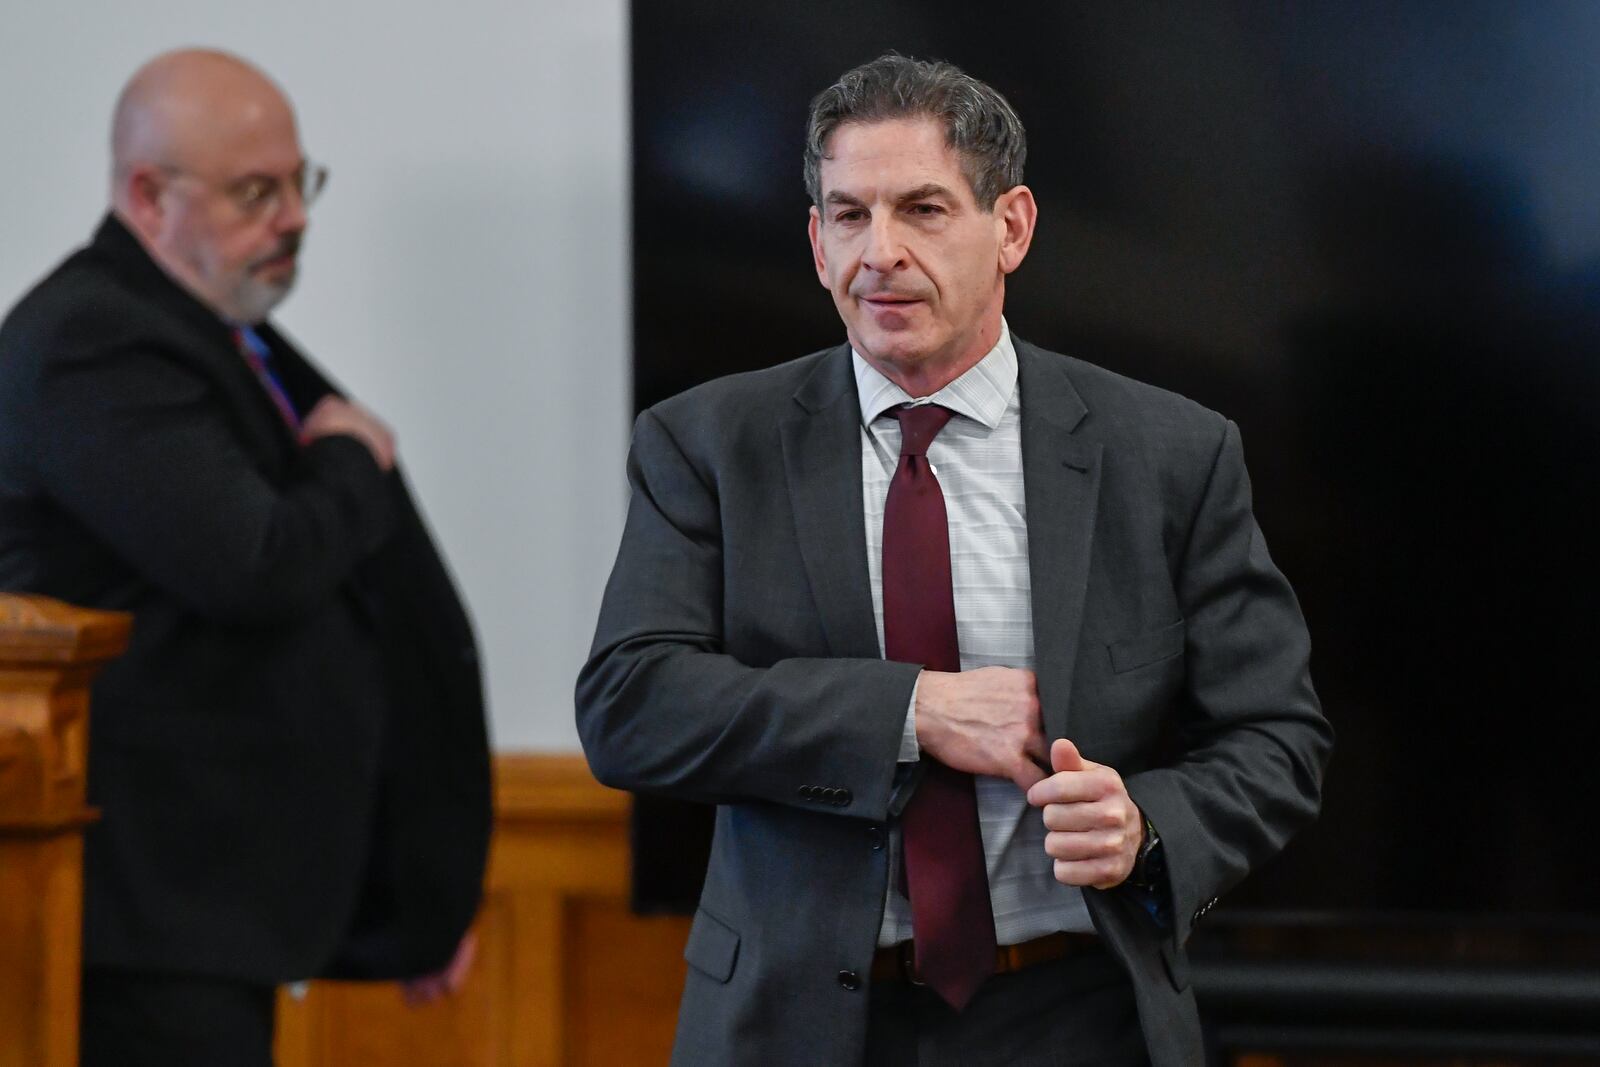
{"points": [[291, 761]]}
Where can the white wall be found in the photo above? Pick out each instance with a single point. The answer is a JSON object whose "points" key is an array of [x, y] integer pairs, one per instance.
{"points": [[466, 274]]}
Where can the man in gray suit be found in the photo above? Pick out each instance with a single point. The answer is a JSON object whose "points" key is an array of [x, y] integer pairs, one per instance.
{"points": [[977, 648]]}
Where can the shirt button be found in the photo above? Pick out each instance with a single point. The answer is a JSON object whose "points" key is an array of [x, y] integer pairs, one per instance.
{"points": [[850, 980]]}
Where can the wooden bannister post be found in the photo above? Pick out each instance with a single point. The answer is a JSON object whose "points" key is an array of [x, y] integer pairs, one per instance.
{"points": [[49, 651]]}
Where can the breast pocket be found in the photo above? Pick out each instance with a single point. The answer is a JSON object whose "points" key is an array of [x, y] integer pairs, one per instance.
{"points": [[1131, 653]]}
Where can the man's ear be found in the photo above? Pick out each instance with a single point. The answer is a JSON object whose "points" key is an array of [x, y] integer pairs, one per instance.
{"points": [[1016, 212], [814, 231], [140, 196]]}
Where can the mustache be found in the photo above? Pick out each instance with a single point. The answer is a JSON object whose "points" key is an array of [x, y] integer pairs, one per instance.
{"points": [[288, 246]]}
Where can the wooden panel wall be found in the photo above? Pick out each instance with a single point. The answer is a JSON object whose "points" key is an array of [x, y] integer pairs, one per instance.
{"points": [[565, 974]]}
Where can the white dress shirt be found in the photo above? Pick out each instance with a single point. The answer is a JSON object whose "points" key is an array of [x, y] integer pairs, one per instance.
{"points": [[977, 459]]}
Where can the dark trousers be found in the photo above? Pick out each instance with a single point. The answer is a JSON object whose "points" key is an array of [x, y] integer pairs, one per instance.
{"points": [[133, 1019], [1074, 1012]]}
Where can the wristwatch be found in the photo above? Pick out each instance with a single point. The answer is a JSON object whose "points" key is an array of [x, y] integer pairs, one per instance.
{"points": [[1150, 865]]}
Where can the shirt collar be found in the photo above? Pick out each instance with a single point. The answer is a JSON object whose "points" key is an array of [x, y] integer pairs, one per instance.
{"points": [[981, 394]]}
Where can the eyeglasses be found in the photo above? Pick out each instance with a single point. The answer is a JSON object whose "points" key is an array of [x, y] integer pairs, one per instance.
{"points": [[260, 196]]}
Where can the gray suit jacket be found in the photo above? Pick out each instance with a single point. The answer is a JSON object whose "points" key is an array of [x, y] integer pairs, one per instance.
{"points": [[736, 661]]}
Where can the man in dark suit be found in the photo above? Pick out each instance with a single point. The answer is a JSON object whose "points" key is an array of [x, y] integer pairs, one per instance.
{"points": [[290, 761], [977, 648]]}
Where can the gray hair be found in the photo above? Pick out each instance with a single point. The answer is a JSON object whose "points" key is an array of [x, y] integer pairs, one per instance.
{"points": [[978, 123]]}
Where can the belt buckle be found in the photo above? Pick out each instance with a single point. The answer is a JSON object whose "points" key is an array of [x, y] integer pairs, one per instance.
{"points": [[906, 953]]}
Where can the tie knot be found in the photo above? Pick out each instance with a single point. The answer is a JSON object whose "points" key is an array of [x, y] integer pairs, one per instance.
{"points": [[919, 425]]}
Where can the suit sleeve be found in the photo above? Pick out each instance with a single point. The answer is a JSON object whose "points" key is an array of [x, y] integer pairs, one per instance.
{"points": [[139, 448], [662, 707], [1254, 741]]}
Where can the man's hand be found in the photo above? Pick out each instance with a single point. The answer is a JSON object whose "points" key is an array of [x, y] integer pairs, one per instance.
{"points": [[336, 415], [1095, 827], [430, 987], [983, 722]]}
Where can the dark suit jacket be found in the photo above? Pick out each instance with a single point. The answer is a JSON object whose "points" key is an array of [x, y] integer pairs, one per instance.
{"points": [[290, 759], [736, 661]]}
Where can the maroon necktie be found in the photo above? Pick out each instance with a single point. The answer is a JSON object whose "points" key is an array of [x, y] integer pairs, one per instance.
{"points": [[945, 875]]}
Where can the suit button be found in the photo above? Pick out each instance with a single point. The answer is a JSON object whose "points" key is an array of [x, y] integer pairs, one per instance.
{"points": [[875, 835], [804, 792], [842, 797], [850, 980]]}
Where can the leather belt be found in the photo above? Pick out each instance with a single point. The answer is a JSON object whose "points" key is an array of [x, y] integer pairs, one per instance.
{"points": [[894, 963]]}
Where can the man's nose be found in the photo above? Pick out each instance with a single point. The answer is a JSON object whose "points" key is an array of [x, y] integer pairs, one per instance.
{"points": [[291, 215], [885, 249]]}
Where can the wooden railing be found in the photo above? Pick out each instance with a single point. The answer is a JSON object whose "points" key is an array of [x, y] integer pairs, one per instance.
{"points": [[49, 652]]}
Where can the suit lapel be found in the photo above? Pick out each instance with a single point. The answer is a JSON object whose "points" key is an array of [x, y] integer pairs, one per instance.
{"points": [[1061, 485], [206, 341], [305, 383], [246, 395], [822, 460]]}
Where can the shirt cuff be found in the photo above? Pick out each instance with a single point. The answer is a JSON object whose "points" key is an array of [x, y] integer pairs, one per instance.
{"points": [[910, 751]]}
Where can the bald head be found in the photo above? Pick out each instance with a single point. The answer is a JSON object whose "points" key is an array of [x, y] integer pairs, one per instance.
{"points": [[207, 172], [187, 109]]}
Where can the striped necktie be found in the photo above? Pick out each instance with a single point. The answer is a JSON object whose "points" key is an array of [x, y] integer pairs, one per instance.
{"points": [[259, 356]]}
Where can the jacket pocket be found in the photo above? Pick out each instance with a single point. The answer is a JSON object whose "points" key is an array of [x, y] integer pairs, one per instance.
{"points": [[713, 946], [1134, 652]]}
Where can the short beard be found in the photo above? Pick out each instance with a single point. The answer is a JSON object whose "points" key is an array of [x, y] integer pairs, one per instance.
{"points": [[254, 299]]}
